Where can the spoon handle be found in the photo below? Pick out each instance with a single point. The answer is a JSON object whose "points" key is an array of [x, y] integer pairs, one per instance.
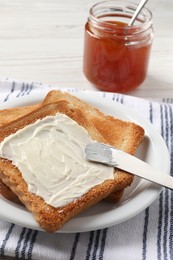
{"points": [[140, 6]]}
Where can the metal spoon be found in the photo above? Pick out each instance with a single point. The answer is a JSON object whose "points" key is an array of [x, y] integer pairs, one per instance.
{"points": [[139, 8]]}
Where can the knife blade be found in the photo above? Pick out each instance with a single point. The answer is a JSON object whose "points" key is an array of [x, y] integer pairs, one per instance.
{"points": [[110, 155]]}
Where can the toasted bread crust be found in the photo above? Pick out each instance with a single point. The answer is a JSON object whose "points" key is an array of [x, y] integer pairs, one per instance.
{"points": [[11, 114]]}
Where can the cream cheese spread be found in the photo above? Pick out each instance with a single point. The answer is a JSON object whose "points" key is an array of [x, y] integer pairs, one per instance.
{"points": [[50, 157]]}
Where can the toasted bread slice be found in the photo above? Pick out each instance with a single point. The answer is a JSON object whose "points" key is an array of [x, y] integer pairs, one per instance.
{"points": [[6, 117], [124, 135], [49, 217]]}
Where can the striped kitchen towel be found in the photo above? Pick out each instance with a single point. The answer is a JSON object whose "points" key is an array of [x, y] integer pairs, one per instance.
{"points": [[148, 235]]}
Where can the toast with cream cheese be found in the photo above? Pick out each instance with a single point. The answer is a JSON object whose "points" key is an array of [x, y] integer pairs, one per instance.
{"points": [[124, 135], [33, 150]]}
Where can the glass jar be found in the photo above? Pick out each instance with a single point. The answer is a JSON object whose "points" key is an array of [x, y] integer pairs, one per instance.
{"points": [[116, 55]]}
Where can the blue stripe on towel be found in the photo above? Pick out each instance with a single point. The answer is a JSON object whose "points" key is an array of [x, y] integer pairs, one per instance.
{"points": [[151, 112], [165, 232], [89, 247], [25, 89], [21, 237], [166, 203], [114, 96], [96, 245], [25, 243], [122, 99], [13, 86], [21, 91], [30, 88], [171, 138], [32, 242], [146, 218], [160, 218], [4, 242], [74, 247], [103, 242], [159, 234]]}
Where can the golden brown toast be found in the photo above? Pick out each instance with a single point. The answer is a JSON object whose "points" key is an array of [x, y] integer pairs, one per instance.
{"points": [[11, 114], [124, 135], [51, 218], [7, 116]]}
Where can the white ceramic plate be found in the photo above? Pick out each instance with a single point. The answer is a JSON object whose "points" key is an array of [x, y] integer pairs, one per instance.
{"points": [[135, 199]]}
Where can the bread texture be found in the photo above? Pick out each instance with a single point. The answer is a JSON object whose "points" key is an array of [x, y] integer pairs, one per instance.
{"points": [[124, 135], [7, 193], [11, 114], [48, 217]]}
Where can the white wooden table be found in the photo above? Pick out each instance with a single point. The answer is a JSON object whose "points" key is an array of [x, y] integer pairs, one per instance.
{"points": [[42, 41]]}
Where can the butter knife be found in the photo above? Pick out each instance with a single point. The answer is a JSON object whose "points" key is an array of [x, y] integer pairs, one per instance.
{"points": [[112, 156]]}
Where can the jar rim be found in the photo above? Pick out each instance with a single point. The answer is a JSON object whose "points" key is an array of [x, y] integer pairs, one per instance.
{"points": [[147, 14]]}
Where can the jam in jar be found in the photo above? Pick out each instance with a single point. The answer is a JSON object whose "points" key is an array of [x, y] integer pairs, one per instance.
{"points": [[116, 55]]}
